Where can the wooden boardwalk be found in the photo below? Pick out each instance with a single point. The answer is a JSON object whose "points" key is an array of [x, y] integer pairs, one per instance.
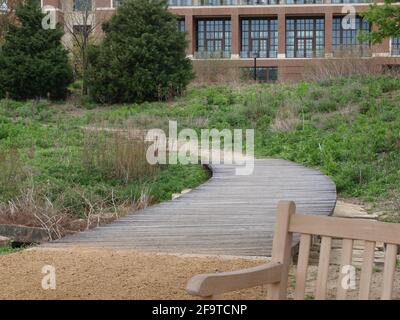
{"points": [[229, 214]]}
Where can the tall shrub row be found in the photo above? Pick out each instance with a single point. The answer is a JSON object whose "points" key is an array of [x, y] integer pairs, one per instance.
{"points": [[141, 58]]}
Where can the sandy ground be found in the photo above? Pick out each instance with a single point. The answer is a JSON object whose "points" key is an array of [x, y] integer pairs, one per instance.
{"points": [[111, 274]]}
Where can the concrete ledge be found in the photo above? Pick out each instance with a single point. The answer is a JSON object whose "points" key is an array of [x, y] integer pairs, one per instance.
{"points": [[24, 234]]}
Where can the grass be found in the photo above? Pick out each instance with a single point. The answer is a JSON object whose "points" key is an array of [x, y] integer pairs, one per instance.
{"points": [[346, 127], [52, 171], [10, 249]]}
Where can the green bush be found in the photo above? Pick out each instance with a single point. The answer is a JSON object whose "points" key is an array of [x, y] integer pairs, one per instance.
{"points": [[142, 57], [33, 62]]}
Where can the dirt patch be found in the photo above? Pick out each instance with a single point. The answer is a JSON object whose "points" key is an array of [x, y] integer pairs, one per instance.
{"points": [[122, 274]]}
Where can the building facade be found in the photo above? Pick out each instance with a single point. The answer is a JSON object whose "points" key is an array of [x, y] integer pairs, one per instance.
{"points": [[283, 35]]}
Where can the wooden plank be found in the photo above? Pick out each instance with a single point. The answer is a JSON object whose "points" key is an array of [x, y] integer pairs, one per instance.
{"points": [[282, 248], [302, 266], [357, 229], [323, 268], [366, 270], [231, 214], [388, 271], [347, 252]]}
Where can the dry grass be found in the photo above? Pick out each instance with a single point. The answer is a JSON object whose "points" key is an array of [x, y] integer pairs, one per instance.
{"points": [[113, 155], [33, 208], [345, 63], [117, 154], [286, 119], [215, 72]]}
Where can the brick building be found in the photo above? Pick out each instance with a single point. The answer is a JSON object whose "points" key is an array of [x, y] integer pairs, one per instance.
{"points": [[284, 35]]}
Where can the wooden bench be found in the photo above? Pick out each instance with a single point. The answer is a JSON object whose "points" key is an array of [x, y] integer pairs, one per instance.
{"points": [[275, 273]]}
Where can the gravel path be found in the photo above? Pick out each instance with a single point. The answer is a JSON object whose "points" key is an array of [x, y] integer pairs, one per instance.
{"points": [[83, 273]]}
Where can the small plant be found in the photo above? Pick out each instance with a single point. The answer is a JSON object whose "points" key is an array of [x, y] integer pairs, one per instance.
{"points": [[86, 102], [10, 249]]}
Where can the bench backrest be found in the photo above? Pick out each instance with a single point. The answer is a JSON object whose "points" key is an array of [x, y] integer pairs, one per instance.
{"points": [[288, 222]]}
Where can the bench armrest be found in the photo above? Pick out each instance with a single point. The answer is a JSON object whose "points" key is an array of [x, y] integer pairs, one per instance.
{"points": [[210, 284]]}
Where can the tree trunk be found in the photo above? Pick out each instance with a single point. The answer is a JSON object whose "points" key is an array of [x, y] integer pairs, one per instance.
{"points": [[84, 68]]}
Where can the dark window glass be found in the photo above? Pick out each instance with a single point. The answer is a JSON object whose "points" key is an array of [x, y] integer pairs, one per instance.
{"points": [[214, 38], [117, 3], [82, 5], [264, 74], [351, 1], [178, 3], [216, 2], [181, 25], [396, 46], [261, 2], [304, 1], [79, 29], [345, 35], [305, 37], [259, 36]]}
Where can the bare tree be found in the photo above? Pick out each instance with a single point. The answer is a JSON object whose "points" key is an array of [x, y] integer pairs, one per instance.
{"points": [[82, 25], [7, 15]]}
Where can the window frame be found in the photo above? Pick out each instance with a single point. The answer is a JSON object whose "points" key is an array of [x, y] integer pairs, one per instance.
{"points": [[117, 3], [269, 70], [226, 42], [75, 7], [397, 47], [341, 41], [181, 24], [303, 20], [271, 36]]}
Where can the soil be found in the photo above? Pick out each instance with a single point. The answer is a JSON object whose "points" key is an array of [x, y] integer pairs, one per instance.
{"points": [[84, 273]]}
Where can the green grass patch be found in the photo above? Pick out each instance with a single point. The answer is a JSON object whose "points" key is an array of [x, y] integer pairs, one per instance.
{"points": [[349, 128], [10, 249]]}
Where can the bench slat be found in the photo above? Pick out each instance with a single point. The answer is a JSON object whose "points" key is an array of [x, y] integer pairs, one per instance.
{"points": [[357, 229], [366, 271], [347, 253], [323, 268], [282, 248], [302, 265], [389, 270]]}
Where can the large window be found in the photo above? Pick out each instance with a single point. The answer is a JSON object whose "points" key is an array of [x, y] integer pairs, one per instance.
{"points": [[82, 5], [259, 36], [395, 47], [345, 35], [214, 38], [263, 74], [305, 37]]}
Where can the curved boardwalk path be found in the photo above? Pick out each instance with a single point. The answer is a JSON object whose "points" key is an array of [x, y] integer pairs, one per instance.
{"points": [[229, 214]]}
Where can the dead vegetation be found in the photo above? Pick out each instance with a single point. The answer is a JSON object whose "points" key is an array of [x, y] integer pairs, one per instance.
{"points": [[344, 63], [111, 155], [215, 71]]}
